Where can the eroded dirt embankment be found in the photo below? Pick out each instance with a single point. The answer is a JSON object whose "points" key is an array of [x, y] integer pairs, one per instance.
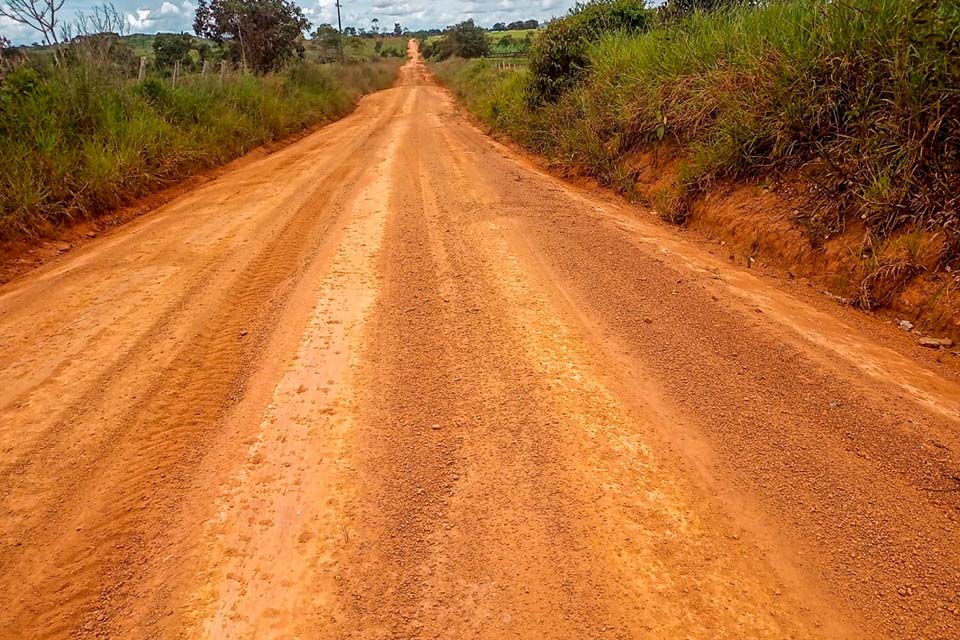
{"points": [[903, 277]]}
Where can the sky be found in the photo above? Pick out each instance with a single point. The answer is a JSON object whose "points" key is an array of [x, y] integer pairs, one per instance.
{"points": [[151, 16]]}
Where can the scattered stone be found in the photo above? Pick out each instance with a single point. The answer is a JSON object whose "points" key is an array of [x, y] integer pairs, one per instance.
{"points": [[243, 333], [62, 247], [906, 325], [91, 234], [435, 427], [935, 343], [840, 299]]}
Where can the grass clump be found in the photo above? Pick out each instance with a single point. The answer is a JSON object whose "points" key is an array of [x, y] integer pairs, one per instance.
{"points": [[82, 140]]}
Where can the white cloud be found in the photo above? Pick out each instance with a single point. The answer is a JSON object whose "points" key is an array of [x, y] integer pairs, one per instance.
{"points": [[141, 21]]}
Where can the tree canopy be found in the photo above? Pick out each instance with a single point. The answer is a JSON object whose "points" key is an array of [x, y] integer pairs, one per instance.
{"points": [[169, 48], [464, 40], [260, 34]]}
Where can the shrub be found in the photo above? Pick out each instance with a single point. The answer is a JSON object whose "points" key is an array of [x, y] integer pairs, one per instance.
{"points": [[560, 54], [463, 40]]}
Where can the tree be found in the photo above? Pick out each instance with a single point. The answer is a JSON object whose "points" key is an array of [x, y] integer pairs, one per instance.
{"points": [[465, 40], [39, 15], [500, 26], [397, 29], [522, 25], [95, 36], [262, 35], [350, 31], [170, 48], [375, 26], [327, 39]]}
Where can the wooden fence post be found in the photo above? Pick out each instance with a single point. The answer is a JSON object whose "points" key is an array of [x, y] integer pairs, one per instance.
{"points": [[203, 70], [223, 70], [176, 72], [143, 69]]}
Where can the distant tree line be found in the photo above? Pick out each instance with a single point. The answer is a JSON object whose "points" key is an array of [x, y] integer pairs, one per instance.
{"points": [[518, 25]]}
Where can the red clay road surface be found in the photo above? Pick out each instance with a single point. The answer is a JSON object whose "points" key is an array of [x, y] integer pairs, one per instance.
{"points": [[393, 381]]}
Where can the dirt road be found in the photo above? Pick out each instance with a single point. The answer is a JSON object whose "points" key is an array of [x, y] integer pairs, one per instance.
{"points": [[394, 382]]}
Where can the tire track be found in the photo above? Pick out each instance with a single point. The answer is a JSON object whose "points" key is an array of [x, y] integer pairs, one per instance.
{"points": [[122, 496]]}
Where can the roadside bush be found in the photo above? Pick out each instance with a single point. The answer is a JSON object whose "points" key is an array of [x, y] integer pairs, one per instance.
{"points": [[463, 40], [560, 54], [77, 142]]}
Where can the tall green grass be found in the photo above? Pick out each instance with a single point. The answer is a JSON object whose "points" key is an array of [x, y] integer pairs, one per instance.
{"points": [[863, 94], [79, 141]]}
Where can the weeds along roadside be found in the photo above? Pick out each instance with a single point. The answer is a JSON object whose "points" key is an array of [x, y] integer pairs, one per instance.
{"points": [[82, 140], [860, 98]]}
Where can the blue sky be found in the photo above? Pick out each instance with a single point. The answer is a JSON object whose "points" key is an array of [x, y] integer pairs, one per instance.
{"points": [[150, 16]]}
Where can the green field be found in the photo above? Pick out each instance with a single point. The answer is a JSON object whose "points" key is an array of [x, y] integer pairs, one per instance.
{"points": [[516, 34], [497, 36], [142, 44], [358, 49]]}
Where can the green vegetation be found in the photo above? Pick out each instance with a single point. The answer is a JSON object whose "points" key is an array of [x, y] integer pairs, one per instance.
{"points": [[171, 48], [462, 40], [496, 37], [561, 55], [84, 139], [864, 95], [262, 35], [511, 43], [518, 25], [325, 46], [466, 40], [142, 43]]}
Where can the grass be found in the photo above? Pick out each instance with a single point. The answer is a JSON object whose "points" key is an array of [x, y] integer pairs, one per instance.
{"points": [[358, 49], [495, 37], [517, 35], [141, 43], [81, 141], [864, 95]]}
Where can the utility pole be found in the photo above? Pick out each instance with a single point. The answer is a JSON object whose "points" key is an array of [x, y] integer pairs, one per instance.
{"points": [[340, 28]]}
